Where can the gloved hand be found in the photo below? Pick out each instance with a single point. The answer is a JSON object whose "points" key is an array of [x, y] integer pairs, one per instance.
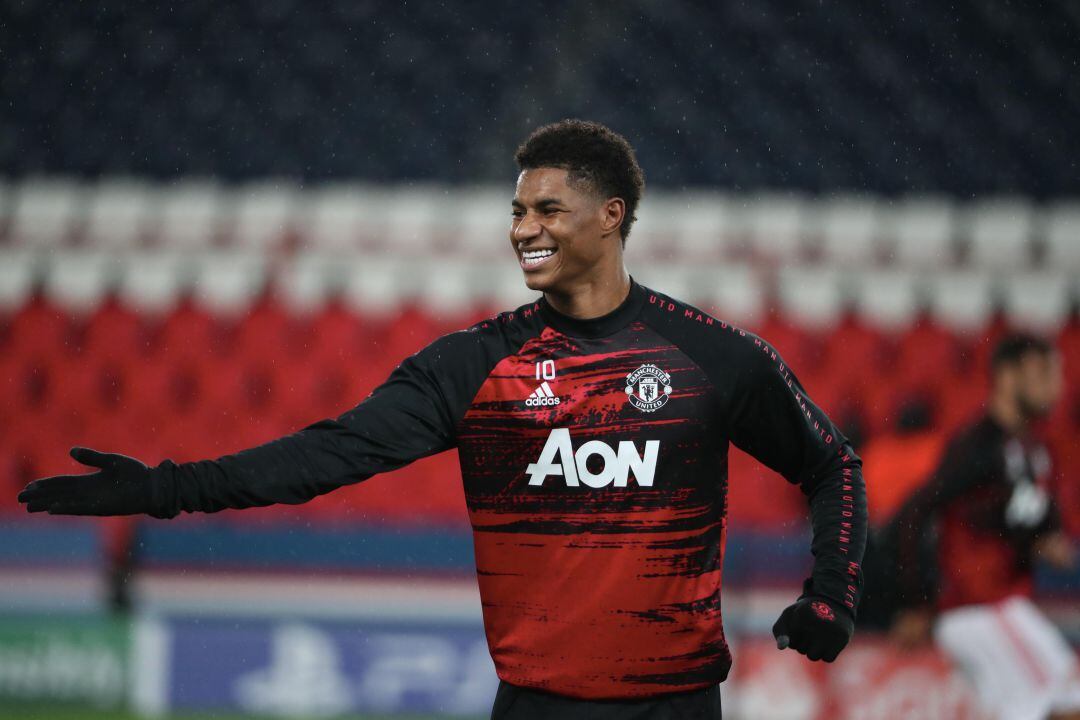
{"points": [[814, 626], [121, 487]]}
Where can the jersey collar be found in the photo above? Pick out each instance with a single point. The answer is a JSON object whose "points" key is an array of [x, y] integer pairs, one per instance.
{"points": [[601, 326]]}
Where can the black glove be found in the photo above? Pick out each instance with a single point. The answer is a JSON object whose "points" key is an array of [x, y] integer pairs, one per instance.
{"points": [[122, 487], [814, 626]]}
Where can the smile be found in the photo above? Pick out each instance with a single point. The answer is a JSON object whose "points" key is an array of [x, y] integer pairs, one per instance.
{"points": [[531, 259]]}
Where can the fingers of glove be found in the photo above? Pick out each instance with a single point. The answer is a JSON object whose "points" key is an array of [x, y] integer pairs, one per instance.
{"points": [[835, 646], [780, 632], [781, 628], [56, 486], [827, 649], [74, 503], [88, 506], [61, 506], [813, 646], [802, 640], [788, 631], [806, 634], [824, 646], [40, 500], [28, 493], [93, 458]]}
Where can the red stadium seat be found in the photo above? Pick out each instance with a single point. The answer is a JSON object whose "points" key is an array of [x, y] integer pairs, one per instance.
{"points": [[335, 333], [191, 332], [264, 328], [115, 331], [927, 354], [853, 344], [38, 327]]}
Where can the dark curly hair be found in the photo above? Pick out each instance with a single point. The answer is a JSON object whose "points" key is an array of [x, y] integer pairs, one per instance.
{"points": [[1014, 347], [590, 153]]}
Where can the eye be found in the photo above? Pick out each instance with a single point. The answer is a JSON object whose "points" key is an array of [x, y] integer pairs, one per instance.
{"points": [[517, 213]]}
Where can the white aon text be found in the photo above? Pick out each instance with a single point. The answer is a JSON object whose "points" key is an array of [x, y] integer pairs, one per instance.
{"points": [[558, 458]]}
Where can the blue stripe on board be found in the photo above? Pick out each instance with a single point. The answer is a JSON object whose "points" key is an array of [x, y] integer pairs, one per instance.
{"points": [[50, 542], [752, 558], [229, 546]]}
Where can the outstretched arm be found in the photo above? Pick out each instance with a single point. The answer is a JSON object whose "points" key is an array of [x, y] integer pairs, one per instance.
{"points": [[776, 422], [410, 416]]}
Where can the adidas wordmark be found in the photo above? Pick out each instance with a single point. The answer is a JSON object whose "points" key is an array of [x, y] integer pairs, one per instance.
{"points": [[542, 396]]}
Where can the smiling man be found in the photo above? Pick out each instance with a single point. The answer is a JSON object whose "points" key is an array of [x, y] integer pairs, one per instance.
{"points": [[593, 428]]}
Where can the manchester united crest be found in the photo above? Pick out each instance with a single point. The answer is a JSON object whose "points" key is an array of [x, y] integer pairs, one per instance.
{"points": [[648, 388]]}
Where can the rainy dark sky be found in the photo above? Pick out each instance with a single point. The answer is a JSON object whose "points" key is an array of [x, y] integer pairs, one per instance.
{"points": [[967, 97]]}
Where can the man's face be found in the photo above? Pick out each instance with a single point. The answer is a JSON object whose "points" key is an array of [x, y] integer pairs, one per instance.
{"points": [[1039, 382], [558, 229]]}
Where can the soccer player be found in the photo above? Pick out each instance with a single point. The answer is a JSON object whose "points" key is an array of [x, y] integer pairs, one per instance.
{"points": [[991, 496], [593, 427]]}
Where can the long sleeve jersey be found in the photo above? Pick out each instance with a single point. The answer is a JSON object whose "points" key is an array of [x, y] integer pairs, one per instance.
{"points": [[594, 460], [987, 502]]}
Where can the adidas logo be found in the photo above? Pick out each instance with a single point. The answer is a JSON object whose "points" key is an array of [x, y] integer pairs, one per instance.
{"points": [[542, 397]]}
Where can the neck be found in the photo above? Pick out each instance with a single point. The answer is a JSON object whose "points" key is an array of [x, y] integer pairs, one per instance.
{"points": [[1006, 413], [592, 297]]}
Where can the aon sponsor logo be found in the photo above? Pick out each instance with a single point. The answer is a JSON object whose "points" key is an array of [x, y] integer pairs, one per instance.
{"points": [[558, 458]]}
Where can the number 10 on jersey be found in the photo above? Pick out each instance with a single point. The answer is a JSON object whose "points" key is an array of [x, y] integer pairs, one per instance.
{"points": [[545, 370]]}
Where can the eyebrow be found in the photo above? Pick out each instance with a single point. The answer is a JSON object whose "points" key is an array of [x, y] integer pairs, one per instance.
{"points": [[541, 203]]}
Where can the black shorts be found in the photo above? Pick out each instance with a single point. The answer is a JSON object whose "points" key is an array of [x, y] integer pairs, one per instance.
{"points": [[518, 703]]}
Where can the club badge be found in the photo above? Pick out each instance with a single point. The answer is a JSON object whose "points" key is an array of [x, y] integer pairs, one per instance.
{"points": [[822, 610], [648, 388]]}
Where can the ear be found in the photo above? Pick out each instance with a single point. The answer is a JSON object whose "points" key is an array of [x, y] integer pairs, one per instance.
{"points": [[612, 213]]}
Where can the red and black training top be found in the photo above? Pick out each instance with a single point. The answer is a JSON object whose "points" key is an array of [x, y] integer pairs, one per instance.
{"points": [[987, 503], [594, 459]]}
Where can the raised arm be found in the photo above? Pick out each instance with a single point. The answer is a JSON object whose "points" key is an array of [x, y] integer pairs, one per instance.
{"points": [[410, 416]]}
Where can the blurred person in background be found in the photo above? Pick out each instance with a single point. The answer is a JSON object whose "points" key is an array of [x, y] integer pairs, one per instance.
{"points": [[988, 513], [592, 427]]}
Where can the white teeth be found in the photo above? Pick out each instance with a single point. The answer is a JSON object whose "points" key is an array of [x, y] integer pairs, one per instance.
{"points": [[531, 257]]}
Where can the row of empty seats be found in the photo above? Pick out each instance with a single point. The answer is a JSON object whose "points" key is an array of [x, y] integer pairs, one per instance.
{"points": [[190, 384], [418, 220], [229, 281]]}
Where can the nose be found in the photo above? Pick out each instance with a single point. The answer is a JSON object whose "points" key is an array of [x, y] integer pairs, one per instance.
{"points": [[526, 228]]}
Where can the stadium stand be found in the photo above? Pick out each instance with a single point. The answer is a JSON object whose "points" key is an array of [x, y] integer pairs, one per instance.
{"points": [[111, 336]]}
